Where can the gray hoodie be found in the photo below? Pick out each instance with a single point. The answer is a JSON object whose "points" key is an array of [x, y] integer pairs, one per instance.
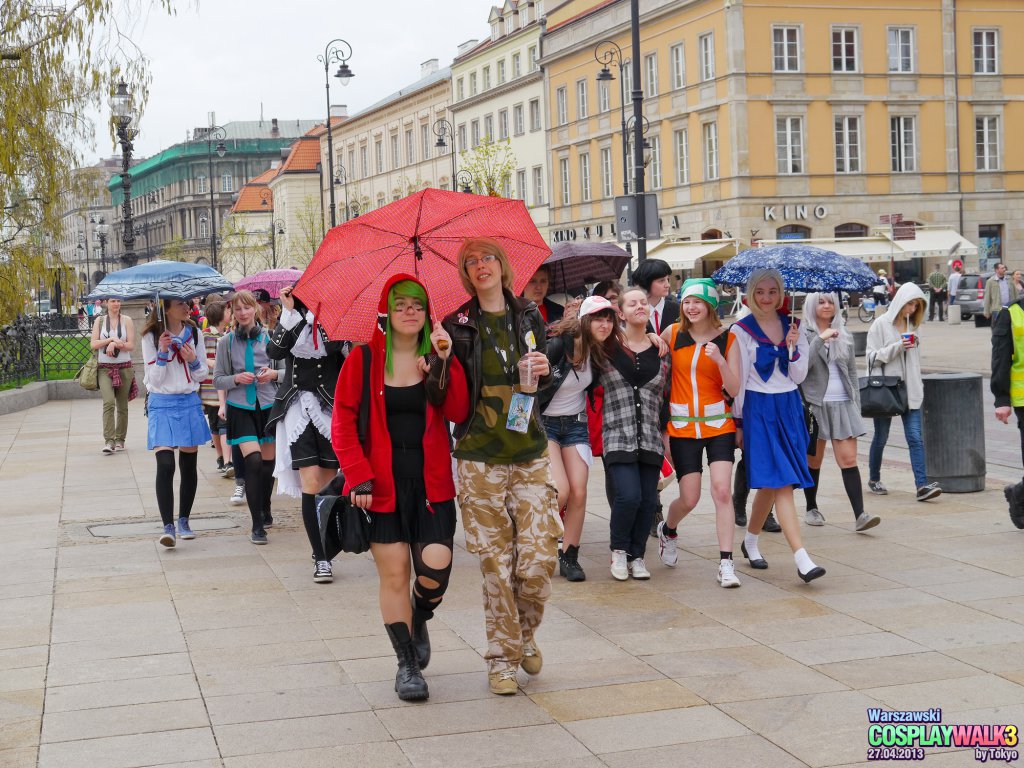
{"points": [[885, 346], [231, 354]]}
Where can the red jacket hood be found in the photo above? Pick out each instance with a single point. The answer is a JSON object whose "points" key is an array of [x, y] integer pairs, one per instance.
{"points": [[377, 342]]}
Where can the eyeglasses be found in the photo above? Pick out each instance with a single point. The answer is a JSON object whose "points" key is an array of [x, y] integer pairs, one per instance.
{"points": [[415, 306], [487, 258]]}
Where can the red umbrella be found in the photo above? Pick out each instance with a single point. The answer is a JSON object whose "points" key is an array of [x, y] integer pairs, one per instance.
{"points": [[418, 235], [272, 280]]}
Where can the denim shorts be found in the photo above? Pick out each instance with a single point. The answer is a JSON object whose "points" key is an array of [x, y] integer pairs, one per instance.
{"points": [[567, 430]]}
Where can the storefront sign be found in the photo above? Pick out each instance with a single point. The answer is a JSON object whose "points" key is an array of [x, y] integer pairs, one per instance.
{"points": [[794, 212], [584, 233]]}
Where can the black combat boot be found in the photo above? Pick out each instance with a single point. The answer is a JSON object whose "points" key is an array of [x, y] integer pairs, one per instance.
{"points": [[409, 682], [420, 636]]}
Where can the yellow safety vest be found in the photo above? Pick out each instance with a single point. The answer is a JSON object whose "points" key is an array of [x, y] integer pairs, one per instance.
{"points": [[1017, 368]]}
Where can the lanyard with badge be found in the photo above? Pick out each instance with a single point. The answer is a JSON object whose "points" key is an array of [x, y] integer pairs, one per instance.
{"points": [[521, 406]]}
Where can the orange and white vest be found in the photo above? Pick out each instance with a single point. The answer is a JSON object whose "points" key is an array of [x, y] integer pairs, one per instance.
{"points": [[697, 405]]}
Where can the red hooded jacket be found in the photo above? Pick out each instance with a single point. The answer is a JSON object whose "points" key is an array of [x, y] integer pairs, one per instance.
{"points": [[372, 461]]}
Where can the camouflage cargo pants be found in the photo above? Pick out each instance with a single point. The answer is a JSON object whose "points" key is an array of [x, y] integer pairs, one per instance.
{"points": [[511, 521]]}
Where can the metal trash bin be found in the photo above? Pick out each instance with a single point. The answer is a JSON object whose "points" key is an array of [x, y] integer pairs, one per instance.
{"points": [[860, 343], [953, 429]]}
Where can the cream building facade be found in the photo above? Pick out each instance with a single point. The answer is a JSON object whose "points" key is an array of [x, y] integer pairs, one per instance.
{"points": [[801, 119]]}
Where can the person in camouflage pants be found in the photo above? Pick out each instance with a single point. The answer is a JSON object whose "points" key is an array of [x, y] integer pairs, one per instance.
{"points": [[506, 495]]}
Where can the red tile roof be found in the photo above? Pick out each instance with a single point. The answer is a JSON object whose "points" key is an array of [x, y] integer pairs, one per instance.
{"points": [[303, 157], [252, 193], [320, 130]]}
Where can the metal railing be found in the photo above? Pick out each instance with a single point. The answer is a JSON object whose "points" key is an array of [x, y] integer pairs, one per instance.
{"points": [[42, 348]]}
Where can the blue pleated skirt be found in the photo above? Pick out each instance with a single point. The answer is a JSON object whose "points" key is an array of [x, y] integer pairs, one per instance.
{"points": [[176, 421], [775, 440]]}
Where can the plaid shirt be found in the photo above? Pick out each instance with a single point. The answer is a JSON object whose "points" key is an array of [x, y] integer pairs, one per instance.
{"points": [[627, 428], [937, 281]]}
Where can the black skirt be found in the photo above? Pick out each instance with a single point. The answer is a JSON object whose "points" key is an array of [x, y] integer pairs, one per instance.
{"points": [[414, 521]]}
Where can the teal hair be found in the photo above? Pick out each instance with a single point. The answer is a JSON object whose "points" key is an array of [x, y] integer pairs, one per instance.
{"points": [[407, 289]]}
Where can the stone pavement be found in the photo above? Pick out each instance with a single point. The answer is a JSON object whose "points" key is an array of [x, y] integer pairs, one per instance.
{"points": [[115, 652]]}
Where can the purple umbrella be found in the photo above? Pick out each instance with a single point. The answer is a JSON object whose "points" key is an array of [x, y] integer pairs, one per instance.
{"points": [[572, 265], [271, 280]]}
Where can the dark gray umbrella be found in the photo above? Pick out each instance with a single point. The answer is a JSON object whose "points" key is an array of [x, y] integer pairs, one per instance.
{"points": [[572, 265]]}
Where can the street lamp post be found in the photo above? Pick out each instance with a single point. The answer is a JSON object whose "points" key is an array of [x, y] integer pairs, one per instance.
{"points": [[638, 135], [606, 52], [102, 230], [464, 180], [276, 228], [336, 51], [218, 134], [441, 129], [124, 115], [342, 179]]}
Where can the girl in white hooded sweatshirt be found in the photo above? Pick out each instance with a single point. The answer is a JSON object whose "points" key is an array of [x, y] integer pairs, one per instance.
{"points": [[893, 342]]}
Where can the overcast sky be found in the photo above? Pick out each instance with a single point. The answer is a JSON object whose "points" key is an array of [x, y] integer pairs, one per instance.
{"points": [[229, 57]]}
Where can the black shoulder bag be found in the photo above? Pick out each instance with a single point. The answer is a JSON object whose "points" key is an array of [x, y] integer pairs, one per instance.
{"points": [[881, 396]]}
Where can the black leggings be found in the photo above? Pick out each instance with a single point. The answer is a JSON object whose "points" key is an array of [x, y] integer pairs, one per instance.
{"points": [[426, 599], [165, 484]]}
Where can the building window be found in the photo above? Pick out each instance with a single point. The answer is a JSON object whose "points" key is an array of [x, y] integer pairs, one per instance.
{"points": [[351, 167], [524, 16], [532, 54], [793, 232], [844, 49], [503, 124], [396, 159], [606, 172], [847, 144], [487, 78], [410, 148], [521, 184], [501, 71], [425, 143], [535, 115], [786, 49], [472, 83], [538, 185], [789, 144], [488, 128], [901, 49], [655, 143], [604, 102], [381, 200], [581, 99], [986, 142], [460, 89], [851, 229], [363, 162], [585, 177], [494, 31], [463, 145], [474, 132], [226, 182], [706, 45], [627, 78], [677, 55], [986, 51], [563, 175], [517, 65], [630, 167], [651, 75], [201, 185], [562, 106], [517, 120], [378, 150], [710, 132], [681, 140], [903, 144], [204, 227]]}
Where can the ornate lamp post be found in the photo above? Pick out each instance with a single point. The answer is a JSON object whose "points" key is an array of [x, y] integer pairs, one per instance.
{"points": [[124, 115], [443, 128], [276, 228], [464, 180], [336, 51], [102, 230], [605, 53], [342, 179], [218, 134]]}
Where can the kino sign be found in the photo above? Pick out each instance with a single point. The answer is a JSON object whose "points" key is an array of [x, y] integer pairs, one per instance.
{"points": [[794, 212]]}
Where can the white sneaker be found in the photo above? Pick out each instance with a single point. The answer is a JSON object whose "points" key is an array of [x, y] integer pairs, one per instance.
{"points": [[667, 547], [638, 569], [238, 497], [727, 574], [814, 517], [620, 571]]}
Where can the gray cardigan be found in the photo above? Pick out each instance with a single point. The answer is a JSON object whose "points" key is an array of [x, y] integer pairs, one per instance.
{"points": [[231, 360], [816, 383]]}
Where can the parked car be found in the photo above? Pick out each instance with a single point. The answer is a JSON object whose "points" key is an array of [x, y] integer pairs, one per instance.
{"points": [[970, 294]]}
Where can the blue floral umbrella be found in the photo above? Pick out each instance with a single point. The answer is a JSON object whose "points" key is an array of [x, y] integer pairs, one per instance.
{"points": [[161, 280], [803, 268]]}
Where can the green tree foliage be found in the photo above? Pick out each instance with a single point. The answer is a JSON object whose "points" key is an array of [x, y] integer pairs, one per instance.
{"points": [[302, 245], [492, 164], [57, 60], [245, 247]]}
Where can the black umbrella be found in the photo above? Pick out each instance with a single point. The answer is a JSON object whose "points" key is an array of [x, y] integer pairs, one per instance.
{"points": [[573, 265]]}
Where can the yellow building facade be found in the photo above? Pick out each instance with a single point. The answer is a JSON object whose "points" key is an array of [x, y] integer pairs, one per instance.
{"points": [[810, 119]]}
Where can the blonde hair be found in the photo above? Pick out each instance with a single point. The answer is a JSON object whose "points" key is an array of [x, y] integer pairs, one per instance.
{"points": [[918, 317], [484, 245], [759, 276], [684, 321], [246, 298]]}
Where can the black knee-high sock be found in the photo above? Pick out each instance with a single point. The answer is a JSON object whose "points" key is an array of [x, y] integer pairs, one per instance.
{"points": [[188, 483], [238, 462], [811, 494], [740, 488], [268, 484], [165, 485], [851, 481], [254, 488], [312, 526]]}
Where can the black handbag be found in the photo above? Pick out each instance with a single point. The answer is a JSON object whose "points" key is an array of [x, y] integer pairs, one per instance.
{"points": [[881, 396]]}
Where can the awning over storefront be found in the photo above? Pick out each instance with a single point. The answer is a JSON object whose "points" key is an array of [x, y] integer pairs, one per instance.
{"points": [[941, 244], [684, 254], [867, 249]]}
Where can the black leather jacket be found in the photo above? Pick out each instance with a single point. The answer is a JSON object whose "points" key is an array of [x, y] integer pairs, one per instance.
{"points": [[462, 326], [319, 376]]}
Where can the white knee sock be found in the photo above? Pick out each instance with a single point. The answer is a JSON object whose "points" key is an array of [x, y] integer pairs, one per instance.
{"points": [[804, 563], [750, 541]]}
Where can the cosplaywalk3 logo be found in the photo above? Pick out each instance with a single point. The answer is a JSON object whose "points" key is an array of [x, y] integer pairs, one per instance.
{"points": [[905, 735]]}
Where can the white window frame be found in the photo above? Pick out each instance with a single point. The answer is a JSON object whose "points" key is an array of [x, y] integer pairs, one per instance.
{"points": [[841, 39], [706, 47], [901, 50], [903, 155], [364, 159], [585, 177], [650, 75], [786, 48], [656, 180], [532, 53], [986, 143], [474, 134], [521, 184], [604, 99], [500, 68], [378, 154], [486, 78], [563, 175], [627, 79], [709, 150], [463, 142], [536, 120], [677, 61], [517, 65], [988, 62], [396, 158], [538, 185], [227, 182], [425, 142], [203, 227], [562, 106], [472, 83], [581, 99], [789, 145], [847, 132], [681, 144], [607, 179], [488, 134], [518, 120], [503, 124], [201, 184], [460, 89], [410, 147]]}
